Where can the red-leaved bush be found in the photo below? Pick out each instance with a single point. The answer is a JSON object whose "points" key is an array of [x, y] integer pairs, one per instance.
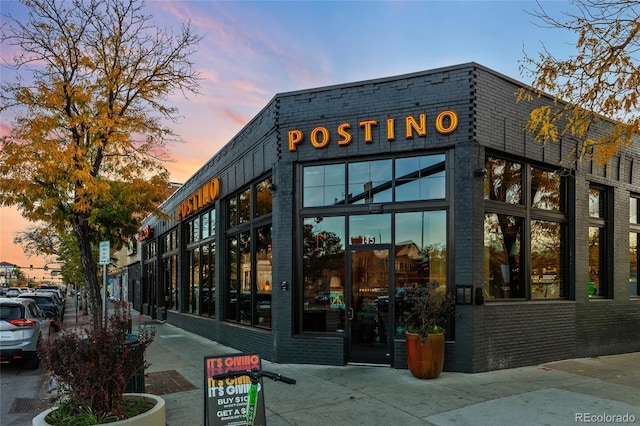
{"points": [[94, 365]]}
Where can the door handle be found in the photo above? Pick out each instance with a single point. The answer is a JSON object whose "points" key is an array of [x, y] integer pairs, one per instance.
{"points": [[350, 314]]}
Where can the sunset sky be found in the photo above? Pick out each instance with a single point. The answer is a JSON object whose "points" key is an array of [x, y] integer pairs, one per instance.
{"points": [[253, 50]]}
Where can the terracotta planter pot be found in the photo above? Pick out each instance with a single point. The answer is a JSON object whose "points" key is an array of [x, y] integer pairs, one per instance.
{"points": [[155, 416], [425, 358]]}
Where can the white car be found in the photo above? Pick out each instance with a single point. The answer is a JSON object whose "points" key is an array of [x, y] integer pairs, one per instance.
{"points": [[13, 292], [21, 329]]}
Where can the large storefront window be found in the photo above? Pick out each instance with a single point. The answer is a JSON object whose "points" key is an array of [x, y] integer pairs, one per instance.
{"points": [[421, 248], [171, 282], [149, 283], [207, 307], [193, 292], [503, 247], [248, 286], [376, 181], [634, 237], [598, 284], [200, 287], [170, 267], [524, 231], [547, 252], [323, 252], [418, 238], [261, 304], [420, 255]]}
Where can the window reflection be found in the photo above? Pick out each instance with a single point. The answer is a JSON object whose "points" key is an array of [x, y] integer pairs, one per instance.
{"points": [[247, 288], [633, 264], [244, 277], [324, 185], [502, 245], [370, 229], [205, 225], [597, 202], [171, 281], [231, 299], [596, 261], [232, 212], [634, 236], [421, 256], [599, 284], [208, 289], [546, 253], [264, 279], [420, 178], [503, 181], [422, 237], [415, 178], [545, 190], [369, 182], [324, 274], [244, 206], [263, 198], [193, 296]]}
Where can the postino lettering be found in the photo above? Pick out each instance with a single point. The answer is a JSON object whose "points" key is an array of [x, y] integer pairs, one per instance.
{"points": [[205, 195], [320, 137]]}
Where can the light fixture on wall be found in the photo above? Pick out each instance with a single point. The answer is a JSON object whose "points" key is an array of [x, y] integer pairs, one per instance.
{"points": [[481, 172]]}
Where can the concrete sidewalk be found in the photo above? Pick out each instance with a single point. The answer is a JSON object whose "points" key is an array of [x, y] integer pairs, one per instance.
{"points": [[604, 390]]}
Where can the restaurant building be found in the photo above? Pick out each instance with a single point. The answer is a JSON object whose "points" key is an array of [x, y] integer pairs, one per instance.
{"points": [[297, 239]]}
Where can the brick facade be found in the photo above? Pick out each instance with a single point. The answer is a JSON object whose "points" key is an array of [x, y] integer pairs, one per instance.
{"points": [[490, 335]]}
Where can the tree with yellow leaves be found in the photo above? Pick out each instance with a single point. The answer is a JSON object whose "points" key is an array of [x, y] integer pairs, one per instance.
{"points": [[600, 83], [87, 144]]}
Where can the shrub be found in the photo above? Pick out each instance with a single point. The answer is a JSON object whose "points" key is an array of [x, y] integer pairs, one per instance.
{"points": [[94, 365], [428, 311]]}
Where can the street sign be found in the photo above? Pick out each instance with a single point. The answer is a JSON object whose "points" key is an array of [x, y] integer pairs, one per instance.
{"points": [[104, 253]]}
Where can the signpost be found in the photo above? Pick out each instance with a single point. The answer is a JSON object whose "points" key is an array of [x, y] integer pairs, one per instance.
{"points": [[105, 257], [225, 401]]}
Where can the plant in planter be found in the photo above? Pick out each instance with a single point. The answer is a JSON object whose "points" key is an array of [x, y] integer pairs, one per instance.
{"points": [[94, 366], [428, 314]]}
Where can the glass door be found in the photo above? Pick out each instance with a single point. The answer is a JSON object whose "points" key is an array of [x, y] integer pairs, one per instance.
{"points": [[368, 310]]}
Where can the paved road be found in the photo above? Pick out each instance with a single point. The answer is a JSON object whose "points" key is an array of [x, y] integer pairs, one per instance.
{"points": [[22, 393]]}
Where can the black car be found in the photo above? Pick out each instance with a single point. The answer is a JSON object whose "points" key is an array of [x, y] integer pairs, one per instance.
{"points": [[49, 307]]}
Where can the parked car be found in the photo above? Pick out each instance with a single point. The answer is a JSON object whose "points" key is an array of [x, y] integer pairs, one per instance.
{"points": [[60, 301], [13, 292], [21, 327], [52, 289], [49, 307]]}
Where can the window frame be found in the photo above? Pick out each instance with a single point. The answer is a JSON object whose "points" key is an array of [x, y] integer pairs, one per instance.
{"points": [[604, 223], [634, 229], [246, 227], [368, 194], [524, 210]]}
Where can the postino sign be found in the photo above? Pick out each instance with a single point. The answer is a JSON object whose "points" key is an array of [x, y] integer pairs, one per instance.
{"points": [[204, 196], [321, 137]]}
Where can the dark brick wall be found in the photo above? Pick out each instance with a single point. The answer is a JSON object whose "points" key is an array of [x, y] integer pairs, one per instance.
{"points": [[488, 336], [509, 335]]}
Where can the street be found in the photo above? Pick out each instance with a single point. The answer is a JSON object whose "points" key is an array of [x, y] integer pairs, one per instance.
{"points": [[23, 394]]}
